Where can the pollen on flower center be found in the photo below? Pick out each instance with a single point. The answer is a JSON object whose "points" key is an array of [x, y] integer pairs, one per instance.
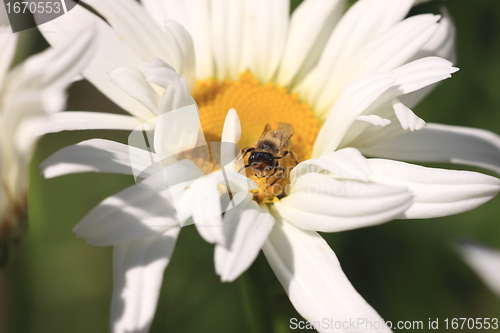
{"points": [[257, 105]]}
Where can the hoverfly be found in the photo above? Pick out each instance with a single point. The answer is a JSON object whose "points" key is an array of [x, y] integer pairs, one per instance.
{"points": [[270, 162]]}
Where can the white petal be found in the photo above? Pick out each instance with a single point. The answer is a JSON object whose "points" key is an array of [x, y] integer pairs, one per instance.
{"points": [[362, 133], [354, 100], [139, 211], [321, 203], [310, 26], [23, 117], [406, 117], [80, 120], [313, 279], [412, 99], [485, 262], [442, 143], [160, 73], [246, 228], [112, 52], [177, 131], [442, 43], [162, 77], [408, 78], [137, 278], [385, 52], [133, 82], [438, 192], [413, 77], [4, 19], [227, 31], [209, 202], [397, 45], [182, 56], [232, 127], [66, 60], [179, 178], [156, 10], [194, 16], [25, 141], [347, 163], [374, 120], [176, 96], [8, 46], [422, 73], [159, 63], [207, 210], [98, 155], [266, 25], [349, 37], [231, 134], [145, 37]]}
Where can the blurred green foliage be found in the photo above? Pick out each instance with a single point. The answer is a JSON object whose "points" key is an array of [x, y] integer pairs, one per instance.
{"points": [[408, 270]]}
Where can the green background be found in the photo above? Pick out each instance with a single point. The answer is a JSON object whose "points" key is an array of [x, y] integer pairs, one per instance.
{"points": [[407, 270]]}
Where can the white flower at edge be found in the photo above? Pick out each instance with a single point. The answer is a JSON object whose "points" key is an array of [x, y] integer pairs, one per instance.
{"points": [[485, 262], [314, 54], [29, 93]]}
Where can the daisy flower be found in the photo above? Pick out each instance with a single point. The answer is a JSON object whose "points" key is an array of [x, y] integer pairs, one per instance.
{"points": [[29, 93], [337, 191], [339, 83]]}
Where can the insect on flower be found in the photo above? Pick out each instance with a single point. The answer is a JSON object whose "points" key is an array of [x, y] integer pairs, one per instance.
{"points": [[270, 162]]}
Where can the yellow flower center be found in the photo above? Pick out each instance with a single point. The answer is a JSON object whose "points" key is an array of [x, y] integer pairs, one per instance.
{"points": [[257, 105]]}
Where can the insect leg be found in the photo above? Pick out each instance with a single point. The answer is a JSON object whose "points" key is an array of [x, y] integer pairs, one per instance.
{"points": [[292, 154], [282, 172], [244, 167], [269, 175], [246, 151], [274, 169]]}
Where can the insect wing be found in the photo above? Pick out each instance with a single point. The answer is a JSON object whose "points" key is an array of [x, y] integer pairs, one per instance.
{"points": [[283, 134], [265, 133]]}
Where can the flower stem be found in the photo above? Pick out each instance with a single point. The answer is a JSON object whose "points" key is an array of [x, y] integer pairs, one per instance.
{"points": [[252, 305]]}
